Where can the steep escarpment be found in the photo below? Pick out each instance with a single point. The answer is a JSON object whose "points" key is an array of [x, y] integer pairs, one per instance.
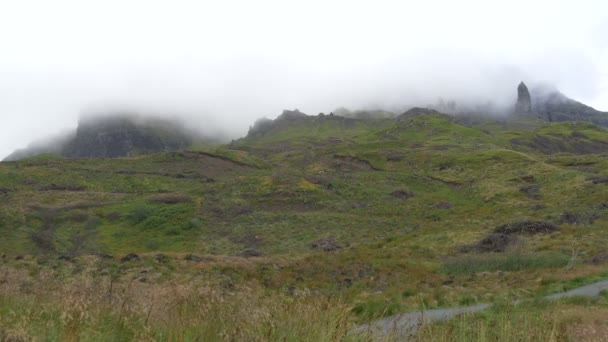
{"points": [[121, 136], [111, 136], [294, 118], [549, 104], [555, 106]]}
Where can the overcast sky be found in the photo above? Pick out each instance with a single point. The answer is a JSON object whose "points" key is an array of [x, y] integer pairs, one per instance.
{"points": [[230, 62]]}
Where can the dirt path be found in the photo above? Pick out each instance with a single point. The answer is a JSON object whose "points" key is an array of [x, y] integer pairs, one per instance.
{"points": [[404, 326]]}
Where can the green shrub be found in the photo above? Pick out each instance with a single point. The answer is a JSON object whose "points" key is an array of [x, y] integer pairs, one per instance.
{"points": [[170, 199], [474, 263], [376, 308], [139, 214]]}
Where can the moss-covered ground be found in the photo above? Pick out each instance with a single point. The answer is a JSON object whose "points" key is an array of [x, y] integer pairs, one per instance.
{"points": [[399, 197]]}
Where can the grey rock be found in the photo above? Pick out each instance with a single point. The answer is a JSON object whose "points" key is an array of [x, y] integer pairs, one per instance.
{"points": [[524, 102]]}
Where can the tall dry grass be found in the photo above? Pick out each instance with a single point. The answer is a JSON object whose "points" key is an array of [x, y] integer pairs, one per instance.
{"points": [[508, 325], [85, 307], [83, 302], [574, 319]]}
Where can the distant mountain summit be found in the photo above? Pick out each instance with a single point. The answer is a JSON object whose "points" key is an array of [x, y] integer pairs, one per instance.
{"points": [[293, 118], [417, 111], [550, 104], [124, 135], [115, 135], [555, 106]]}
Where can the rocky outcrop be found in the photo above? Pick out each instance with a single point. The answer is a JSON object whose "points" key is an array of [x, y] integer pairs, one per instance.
{"points": [[547, 103], [292, 118], [524, 102], [554, 106], [417, 111], [365, 114], [121, 136], [292, 115], [114, 135], [264, 125]]}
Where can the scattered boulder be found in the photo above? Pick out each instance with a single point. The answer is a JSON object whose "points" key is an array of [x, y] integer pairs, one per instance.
{"points": [[559, 143], [162, 258], [570, 217], [249, 252], [527, 228], [531, 190], [61, 187], [493, 243], [130, 257], [394, 156], [28, 181], [193, 258], [249, 241], [241, 210], [577, 134], [602, 205], [442, 205], [79, 216], [113, 216], [525, 179], [445, 166], [359, 205], [324, 181], [538, 206], [351, 164], [170, 199], [65, 257], [440, 147], [506, 236], [328, 244], [5, 191], [599, 180], [597, 259], [403, 194], [104, 256]]}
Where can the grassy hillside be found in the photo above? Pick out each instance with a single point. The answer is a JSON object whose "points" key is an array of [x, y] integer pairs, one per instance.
{"points": [[374, 216]]}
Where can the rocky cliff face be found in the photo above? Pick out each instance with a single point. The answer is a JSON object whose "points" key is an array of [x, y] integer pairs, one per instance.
{"points": [[547, 103], [417, 111], [121, 136], [292, 118], [110, 136], [552, 105]]}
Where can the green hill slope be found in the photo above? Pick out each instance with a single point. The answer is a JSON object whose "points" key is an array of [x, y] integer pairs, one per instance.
{"points": [[373, 209]]}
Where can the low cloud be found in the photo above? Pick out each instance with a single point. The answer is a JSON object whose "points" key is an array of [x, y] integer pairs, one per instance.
{"points": [[219, 67]]}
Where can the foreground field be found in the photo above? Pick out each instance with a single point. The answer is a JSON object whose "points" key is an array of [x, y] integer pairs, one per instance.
{"points": [[164, 299], [78, 301]]}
